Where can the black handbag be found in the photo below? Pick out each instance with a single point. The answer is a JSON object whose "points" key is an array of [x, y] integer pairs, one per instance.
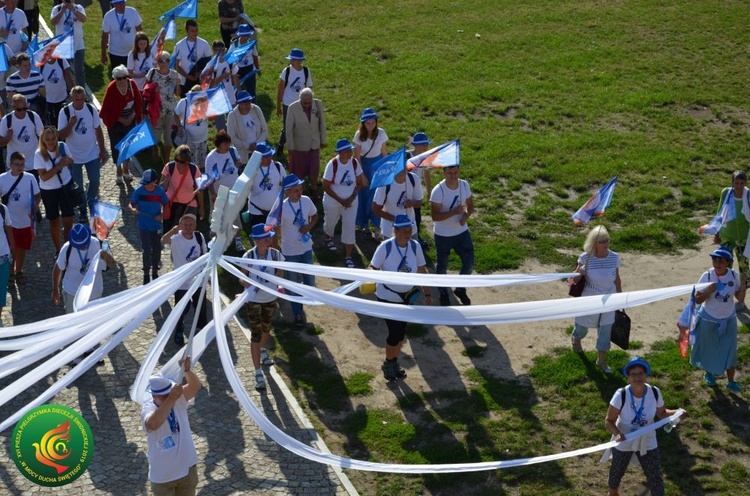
{"points": [[621, 330], [576, 288]]}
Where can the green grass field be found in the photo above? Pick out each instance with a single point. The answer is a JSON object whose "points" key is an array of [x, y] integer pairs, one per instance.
{"points": [[550, 100]]}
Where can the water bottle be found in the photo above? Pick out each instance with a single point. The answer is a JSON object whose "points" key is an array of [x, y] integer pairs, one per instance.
{"points": [[671, 425]]}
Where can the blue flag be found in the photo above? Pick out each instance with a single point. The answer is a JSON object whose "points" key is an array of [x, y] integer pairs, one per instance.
{"points": [[139, 138], [33, 46], [597, 204], [184, 10], [3, 59], [727, 213], [386, 169], [248, 76], [235, 53]]}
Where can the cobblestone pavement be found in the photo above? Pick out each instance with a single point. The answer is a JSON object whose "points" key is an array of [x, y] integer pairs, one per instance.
{"points": [[235, 456]]}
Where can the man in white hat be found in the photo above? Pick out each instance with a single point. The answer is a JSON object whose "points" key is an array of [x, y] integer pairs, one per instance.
{"points": [[172, 457]]}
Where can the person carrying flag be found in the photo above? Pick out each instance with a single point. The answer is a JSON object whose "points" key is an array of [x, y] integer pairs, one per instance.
{"points": [[196, 133], [735, 232], [191, 54], [451, 205], [122, 109], [421, 144], [402, 196], [296, 216], [249, 61], [221, 74], [67, 16]]}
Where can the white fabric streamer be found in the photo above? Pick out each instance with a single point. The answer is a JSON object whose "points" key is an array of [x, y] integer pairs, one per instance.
{"points": [[83, 295]]}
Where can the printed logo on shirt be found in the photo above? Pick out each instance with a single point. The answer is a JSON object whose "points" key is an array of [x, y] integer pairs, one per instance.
{"points": [[15, 195], [346, 180], [125, 28], [228, 168], [454, 203], [24, 135], [192, 254], [53, 77], [265, 184], [401, 203], [80, 127]]}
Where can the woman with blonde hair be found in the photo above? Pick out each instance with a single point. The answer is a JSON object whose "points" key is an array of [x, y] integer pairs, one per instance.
{"points": [[601, 267], [52, 161]]}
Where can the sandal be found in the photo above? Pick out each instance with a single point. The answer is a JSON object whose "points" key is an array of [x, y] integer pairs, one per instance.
{"points": [[349, 262], [330, 244], [605, 368], [576, 345], [20, 278]]}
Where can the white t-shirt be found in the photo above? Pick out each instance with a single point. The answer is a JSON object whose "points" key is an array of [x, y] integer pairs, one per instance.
{"points": [[140, 64], [15, 23], [366, 147], [720, 303], [171, 450], [81, 141], [8, 55], [253, 128], [396, 259], [294, 216], [188, 53], [121, 30], [220, 68], [21, 198], [256, 295], [54, 80], [266, 187], [78, 264], [448, 199], [69, 21], [25, 135], [296, 84], [55, 182], [345, 181], [393, 203], [626, 421], [185, 251], [247, 60], [4, 247], [197, 132], [223, 166]]}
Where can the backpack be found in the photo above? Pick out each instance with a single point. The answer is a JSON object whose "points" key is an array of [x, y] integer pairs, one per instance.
{"points": [[289, 70], [199, 237], [31, 116], [336, 167], [389, 247], [193, 170], [411, 180], [623, 398], [66, 110]]}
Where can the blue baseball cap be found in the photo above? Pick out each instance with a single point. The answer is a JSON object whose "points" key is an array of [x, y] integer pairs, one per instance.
{"points": [[244, 96], [636, 361], [343, 145], [420, 139], [368, 114], [80, 236], [149, 176]]}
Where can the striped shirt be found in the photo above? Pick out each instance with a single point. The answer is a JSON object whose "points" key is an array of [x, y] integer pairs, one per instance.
{"points": [[28, 87]]}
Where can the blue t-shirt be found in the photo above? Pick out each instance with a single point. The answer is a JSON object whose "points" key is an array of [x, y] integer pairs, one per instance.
{"points": [[149, 205]]}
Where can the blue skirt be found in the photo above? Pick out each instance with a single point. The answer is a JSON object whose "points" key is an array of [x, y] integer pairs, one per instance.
{"points": [[714, 352]]}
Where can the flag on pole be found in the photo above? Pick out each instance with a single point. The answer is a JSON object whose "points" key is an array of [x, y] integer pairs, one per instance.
{"points": [[207, 74], [33, 46], [235, 53], [184, 10], [274, 216], [59, 47], [139, 138], [104, 215], [727, 213], [208, 103], [445, 155], [206, 180], [386, 169], [248, 76], [686, 325], [167, 32], [4, 67], [597, 204]]}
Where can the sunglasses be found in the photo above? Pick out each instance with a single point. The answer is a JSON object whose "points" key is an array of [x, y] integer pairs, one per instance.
{"points": [[22, 109], [120, 78]]}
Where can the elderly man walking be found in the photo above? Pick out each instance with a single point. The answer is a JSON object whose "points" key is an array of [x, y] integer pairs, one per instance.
{"points": [[305, 135]]}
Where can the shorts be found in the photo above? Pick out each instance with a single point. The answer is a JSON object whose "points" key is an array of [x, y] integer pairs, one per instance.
{"points": [[56, 203], [22, 237]]}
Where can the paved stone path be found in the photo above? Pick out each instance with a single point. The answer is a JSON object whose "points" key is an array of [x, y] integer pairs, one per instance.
{"points": [[235, 456]]}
